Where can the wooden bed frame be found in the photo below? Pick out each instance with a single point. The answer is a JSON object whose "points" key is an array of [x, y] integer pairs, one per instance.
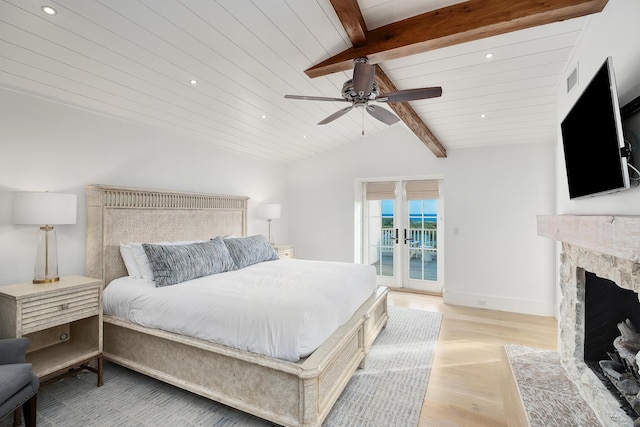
{"points": [[286, 393]]}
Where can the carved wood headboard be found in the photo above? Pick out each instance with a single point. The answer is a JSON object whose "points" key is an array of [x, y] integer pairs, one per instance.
{"points": [[121, 214]]}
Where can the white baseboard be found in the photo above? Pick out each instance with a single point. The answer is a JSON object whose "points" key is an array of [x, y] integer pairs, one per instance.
{"points": [[525, 306]]}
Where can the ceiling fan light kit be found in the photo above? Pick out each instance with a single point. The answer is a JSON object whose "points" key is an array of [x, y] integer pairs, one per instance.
{"points": [[363, 89]]}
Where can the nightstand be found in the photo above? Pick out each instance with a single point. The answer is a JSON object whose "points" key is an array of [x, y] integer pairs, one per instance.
{"points": [[63, 320], [285, 251]]}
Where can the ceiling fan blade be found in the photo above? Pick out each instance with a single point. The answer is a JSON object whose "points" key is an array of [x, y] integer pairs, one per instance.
{"points": [[383, 115], [314, 98], [363, 76], [335, 115], [410, 94]]}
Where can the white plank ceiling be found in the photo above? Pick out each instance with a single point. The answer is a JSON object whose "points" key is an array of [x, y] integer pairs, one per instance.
{"points": [[134, 59]]}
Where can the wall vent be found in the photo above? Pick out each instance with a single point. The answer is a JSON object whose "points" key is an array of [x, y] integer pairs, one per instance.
{"points": [[572, 80]]}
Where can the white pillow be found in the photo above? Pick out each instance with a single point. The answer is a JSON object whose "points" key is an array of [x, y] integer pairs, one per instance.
{"points": [[144, 266], [129, 261]]}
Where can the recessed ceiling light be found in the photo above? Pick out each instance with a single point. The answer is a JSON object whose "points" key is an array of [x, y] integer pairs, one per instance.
{"points": [[49, 10], [304, 137], [489, 55], [193, 81], [482, 116], [264, 116]]}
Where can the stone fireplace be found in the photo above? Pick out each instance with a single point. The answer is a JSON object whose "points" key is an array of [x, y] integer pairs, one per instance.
{"points": [[609, 247]]}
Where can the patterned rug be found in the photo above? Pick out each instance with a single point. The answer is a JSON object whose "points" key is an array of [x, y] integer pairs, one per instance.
{"points": [[388, 392]]}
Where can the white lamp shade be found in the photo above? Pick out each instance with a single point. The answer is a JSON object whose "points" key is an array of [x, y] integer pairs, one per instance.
{"points": [[271, 210], [44, 208]]}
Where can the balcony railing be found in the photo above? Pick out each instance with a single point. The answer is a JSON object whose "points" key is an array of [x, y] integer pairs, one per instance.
{"points": [[420, 239], [423, 254]]}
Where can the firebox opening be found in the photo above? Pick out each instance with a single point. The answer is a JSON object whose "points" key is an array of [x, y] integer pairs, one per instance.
{"points": [[606, 305], [611, 341]]}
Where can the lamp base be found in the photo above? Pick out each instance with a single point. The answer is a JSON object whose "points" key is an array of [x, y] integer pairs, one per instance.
{"points": [[46, 269], [41, 281]]}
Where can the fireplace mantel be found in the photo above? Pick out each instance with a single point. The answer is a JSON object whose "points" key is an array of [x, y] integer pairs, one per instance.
{"points": [[617, 235]]}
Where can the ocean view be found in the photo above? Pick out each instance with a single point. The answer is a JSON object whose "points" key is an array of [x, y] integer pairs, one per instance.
{"points": [[416, 221], [418, 210]]}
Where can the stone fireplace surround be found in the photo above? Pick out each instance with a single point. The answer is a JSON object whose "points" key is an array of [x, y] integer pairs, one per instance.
{"points": [[608, 246]]}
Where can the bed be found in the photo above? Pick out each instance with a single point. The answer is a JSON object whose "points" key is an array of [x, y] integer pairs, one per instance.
{"points": [[286, 392]]}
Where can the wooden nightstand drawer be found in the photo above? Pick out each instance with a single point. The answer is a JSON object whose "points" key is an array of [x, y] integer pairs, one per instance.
{"points": [[286, 253], [44, 311]]}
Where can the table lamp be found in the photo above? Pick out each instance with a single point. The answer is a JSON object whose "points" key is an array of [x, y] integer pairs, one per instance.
{"points": [[271, 211], [45, 209]]}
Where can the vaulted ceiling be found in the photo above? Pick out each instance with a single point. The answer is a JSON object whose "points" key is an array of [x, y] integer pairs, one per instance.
{"points": [[135, 60]]}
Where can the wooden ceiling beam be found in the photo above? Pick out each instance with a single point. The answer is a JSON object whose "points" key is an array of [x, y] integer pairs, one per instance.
{"points": [[352, 20], [460, 23], [408, 115]]}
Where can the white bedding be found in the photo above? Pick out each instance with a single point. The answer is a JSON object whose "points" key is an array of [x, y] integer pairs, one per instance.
{"points": [[283, 309]]}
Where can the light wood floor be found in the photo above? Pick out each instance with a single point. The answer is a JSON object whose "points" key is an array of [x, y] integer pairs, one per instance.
{"points": [[465, 385]]}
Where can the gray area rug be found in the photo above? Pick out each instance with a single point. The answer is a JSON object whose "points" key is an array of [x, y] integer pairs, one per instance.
{"points": [[548, 396], [388, 392]]}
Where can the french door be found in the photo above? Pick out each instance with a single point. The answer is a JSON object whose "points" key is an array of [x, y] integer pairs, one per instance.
{"points": [[403, 238]]}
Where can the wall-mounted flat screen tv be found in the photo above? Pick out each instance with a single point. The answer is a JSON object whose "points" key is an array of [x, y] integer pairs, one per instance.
{"points": [[595, 159]]}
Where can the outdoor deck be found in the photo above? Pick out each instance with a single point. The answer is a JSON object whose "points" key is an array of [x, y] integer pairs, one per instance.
{"points": [[416, 265]]}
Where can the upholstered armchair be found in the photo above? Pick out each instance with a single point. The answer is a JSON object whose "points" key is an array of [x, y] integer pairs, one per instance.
{"points": [[18, 384]]}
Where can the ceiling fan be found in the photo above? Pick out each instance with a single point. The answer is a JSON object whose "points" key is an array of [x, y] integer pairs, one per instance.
{"points": [[363, 89]]}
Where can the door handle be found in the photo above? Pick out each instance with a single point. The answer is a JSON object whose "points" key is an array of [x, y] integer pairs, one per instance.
{"points": [[396, 238], [406, 239]]}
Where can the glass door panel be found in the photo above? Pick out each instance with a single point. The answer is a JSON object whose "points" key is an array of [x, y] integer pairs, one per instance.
{"points": [[381, 234], [423, 245], [422, 231]]}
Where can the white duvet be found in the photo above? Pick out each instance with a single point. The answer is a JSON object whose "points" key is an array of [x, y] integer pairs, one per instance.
{"points": [[283, 309]]}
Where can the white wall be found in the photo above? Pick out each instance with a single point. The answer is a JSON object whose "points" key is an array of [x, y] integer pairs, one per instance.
{"points": [[45, 146], [613, 32], [491, 195]]}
